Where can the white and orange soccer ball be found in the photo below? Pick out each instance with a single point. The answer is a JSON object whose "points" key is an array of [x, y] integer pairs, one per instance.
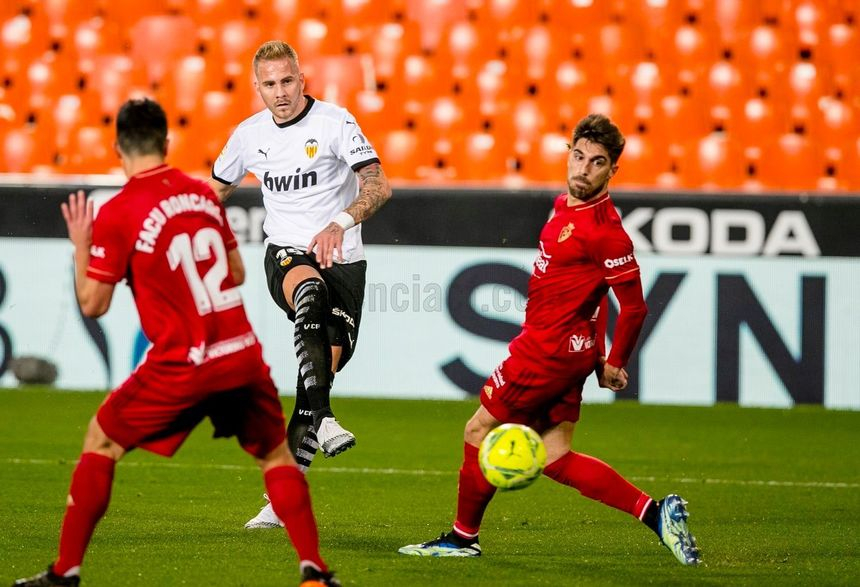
{"points": [[512, 456]]}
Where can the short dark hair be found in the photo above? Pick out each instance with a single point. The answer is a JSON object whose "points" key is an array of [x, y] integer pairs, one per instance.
{"points": [[141, 128], [597, 128]]}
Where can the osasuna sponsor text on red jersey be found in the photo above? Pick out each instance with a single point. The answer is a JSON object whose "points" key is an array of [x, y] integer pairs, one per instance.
{"points": [[583, 250], [167, 235]]}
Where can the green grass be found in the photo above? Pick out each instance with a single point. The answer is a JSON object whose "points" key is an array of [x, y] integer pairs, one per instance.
{"points": [[773, 496]]}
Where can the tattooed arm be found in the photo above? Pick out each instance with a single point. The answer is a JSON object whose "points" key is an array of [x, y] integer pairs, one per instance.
{"points": [[373, 192]]}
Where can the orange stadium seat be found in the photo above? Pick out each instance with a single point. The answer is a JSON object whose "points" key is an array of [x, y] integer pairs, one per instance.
{"points": [[128, 14], [94, 38], [480, 156], [158, 41], [91, 151], [693, 49], [114, 80], [546, 159], [337, 78], [644, 159], [792, 161], [767, 55], [434, 16], [400, 152], [712, 162], [726, 92]]}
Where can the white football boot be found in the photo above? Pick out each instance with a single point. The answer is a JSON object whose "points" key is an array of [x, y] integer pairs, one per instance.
{"points": [[266, 518], [334, 438]]}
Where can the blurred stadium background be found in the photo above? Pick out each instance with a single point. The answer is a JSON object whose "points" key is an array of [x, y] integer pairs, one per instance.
{"points": [[712, 94]]}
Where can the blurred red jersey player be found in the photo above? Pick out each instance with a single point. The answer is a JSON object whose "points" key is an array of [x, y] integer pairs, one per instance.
{"points": [[583, 251], [167, 235]]}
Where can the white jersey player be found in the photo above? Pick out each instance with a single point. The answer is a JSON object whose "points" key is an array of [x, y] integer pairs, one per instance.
{"points": [[321, 178]]}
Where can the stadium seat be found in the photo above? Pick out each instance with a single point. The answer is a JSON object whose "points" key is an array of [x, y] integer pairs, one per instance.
{"points": [[464, 48], [113, 80], [644, 159], [388, 44], [401, 154], [480, 156], [766, 55], [546, 159], [793, 162], [761, 121], [694, 49], [434, 17], [159, 41], [91, 152], [500, 15], [620, 48], [337, 78], [713, 162], [128, 14], [726, 92], [841, 49], [94, 38], [20, 150]]}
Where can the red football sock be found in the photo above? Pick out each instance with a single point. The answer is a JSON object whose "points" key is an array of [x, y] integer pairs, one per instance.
{"points": [[595, 479], [473, 495], [89, 495], [291, 500]]}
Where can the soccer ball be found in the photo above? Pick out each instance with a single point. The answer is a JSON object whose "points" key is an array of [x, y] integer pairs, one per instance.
{"points": [[512, 456]]}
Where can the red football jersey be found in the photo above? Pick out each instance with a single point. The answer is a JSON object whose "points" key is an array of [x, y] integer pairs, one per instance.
{"points": [[583, 250], [167, 235]]}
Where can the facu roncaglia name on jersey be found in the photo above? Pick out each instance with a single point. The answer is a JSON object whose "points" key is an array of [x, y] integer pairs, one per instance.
{"points": [[167, 209]]}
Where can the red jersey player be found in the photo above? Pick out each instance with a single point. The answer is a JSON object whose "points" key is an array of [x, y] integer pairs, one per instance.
{"points": [[167, 235], [583, 251]]}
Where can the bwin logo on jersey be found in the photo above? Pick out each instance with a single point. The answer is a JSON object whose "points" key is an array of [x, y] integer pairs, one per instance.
{"points": [[285, 183], [311, 148]]}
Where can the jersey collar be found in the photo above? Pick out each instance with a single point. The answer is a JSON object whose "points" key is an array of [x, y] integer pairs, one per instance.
{"points": [[151, 171], [589, 204], [301, 115]]}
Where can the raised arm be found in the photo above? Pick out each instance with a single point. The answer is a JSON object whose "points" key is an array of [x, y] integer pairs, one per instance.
{"points": [[93, 296]]}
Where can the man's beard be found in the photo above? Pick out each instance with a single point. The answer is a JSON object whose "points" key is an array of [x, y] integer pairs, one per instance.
{"points": [[586, 193]]}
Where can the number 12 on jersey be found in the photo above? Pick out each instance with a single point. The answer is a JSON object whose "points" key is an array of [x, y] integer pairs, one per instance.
{"points": [[206, 290]]}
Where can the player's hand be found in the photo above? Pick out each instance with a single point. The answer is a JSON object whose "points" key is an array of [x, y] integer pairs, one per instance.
{"points": [[611, 377], [78, 214], [329, 240]]}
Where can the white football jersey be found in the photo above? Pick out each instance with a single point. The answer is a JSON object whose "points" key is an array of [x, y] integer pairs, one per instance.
{"points": [[307, 170]]}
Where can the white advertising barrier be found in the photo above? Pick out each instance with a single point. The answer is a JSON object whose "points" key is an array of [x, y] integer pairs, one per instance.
{"points": [[753, 330]]}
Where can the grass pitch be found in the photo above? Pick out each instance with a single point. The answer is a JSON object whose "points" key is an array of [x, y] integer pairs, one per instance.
{"points": [[774, 497]]}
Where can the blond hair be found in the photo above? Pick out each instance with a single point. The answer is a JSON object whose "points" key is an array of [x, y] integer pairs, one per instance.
{"points": [[273, 51]]}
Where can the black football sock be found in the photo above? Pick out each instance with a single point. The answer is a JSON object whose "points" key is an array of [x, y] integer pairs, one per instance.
{"points": [[300, 438], [651, 517], [313, 350]]}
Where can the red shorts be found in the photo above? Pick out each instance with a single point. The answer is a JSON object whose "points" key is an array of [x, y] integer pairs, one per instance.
{"points": [[158, 406], [516, 393]]}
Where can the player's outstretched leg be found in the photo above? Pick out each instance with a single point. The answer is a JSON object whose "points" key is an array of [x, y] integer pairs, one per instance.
{"points": [[48, 579], [673, 531], [313, 352]]}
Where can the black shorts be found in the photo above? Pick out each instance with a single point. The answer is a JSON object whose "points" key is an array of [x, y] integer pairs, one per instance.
{"points": [[345, 283]]}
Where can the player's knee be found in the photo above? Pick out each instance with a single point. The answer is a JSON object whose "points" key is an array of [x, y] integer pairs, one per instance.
{"points": [[311, 295], [475, 431], [96, 441]]}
